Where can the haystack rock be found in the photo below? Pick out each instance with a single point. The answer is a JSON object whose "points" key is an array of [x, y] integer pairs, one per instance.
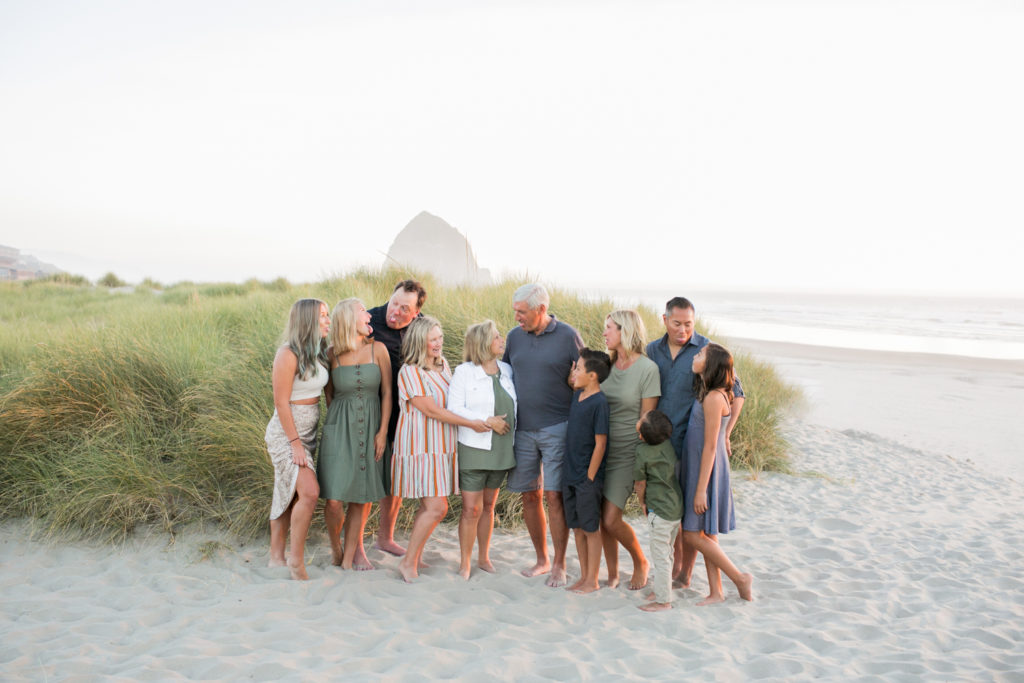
{"points": [[429, 244]]}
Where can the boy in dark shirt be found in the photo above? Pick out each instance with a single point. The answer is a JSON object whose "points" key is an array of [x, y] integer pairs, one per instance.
{"points": [[657, 487], [583, 468]]}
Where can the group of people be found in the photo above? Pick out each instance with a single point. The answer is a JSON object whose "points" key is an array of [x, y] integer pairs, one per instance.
{"points": [[574, 428]]}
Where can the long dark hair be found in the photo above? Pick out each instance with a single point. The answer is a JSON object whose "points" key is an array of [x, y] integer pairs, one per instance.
{"points": [[718, 372]]}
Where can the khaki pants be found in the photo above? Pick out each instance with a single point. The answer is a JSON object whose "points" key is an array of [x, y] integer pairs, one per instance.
{"points": [[663, 538]]}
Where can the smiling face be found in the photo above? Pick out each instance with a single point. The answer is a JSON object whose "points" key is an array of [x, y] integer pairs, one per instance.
{"points": [[402, 309], [498, 345], [679, 325], [363, 328], [325, 320], [612, 335], [530, 319], [435, 342]]}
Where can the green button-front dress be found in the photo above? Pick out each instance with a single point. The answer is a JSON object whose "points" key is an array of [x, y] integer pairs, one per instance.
{"points": [[346, 469]]}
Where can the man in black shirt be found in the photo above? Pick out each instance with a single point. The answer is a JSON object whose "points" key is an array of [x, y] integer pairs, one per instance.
{"points": [[390, 322]]}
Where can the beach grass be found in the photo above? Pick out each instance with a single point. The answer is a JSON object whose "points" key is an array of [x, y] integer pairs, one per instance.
{"points": [[148, 407]]}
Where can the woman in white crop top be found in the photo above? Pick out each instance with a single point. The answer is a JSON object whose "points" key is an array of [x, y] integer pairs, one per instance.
{"points": [[299, 375]]}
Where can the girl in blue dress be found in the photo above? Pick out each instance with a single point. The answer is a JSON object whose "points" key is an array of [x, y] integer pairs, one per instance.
{"points": [[707, 509]]}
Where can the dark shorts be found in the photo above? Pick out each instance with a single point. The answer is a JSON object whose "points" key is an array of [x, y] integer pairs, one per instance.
{"points": [[582, 504]]}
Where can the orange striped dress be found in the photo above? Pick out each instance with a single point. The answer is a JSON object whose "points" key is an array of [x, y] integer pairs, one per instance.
{"points": [[424, 461]]}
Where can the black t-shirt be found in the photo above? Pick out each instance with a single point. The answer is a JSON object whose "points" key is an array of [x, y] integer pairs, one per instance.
{"points": [[392, 341], [586, 419]]}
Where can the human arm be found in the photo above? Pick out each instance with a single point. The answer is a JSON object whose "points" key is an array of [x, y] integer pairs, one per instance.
{"points": [[641, 488], [715, 406], [383, 358], [600, 445], [282, 376], [459, 405], [429, 407], [737, 407]]}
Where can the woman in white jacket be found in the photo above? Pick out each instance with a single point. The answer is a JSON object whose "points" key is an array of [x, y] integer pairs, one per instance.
{"points": [[482, 389]]}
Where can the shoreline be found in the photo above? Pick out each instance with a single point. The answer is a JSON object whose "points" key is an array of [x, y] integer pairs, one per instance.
{"points": [[871, 571]]}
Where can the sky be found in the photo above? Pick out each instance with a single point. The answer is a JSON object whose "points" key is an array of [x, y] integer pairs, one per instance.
{"points": [[825, 146]]}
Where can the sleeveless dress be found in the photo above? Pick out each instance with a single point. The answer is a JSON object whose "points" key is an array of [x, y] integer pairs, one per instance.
{"points": [[719, 517], [347, 469]]}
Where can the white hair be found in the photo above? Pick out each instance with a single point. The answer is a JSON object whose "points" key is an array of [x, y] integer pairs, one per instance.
{"points": [[533, 294]]}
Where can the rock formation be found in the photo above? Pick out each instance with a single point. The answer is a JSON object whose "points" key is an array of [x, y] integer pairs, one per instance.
{"points": [[429, 244]]}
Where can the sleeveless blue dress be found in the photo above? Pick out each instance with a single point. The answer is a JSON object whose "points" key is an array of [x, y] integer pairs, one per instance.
{"points": [[719, 517]]}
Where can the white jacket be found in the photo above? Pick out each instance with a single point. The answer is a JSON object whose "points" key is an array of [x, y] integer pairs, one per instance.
{"points": [[471, 395]]}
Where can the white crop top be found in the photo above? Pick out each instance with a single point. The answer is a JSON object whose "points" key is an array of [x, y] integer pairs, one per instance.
{"points": [[309, 388]]}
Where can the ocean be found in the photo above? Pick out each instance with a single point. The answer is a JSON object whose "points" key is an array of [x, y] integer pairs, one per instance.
{"points": [[958, 326]]}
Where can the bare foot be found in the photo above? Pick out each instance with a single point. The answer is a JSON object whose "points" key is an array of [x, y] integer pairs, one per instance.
{"points": [[409, 574], [275, 562], [336, 554], [557, 578], [586, 588], [363, 566], [422, 565], [390, 547], [679, 583], [656, 606], [746, 586], [464, 571], [649, 596], [537, 569], [486, 566], [639, 578], [575, 585], [612, 582], [711, 600], [298, 571]]}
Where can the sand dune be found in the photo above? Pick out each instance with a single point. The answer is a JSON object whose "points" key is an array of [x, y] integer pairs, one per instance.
{"points": [[898, 565]]}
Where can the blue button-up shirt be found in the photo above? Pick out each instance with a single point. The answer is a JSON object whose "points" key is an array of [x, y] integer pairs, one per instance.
{"points": [[677, 383]]}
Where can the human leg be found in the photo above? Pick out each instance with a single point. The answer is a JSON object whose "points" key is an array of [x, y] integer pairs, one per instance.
{"points": [[559, 537], [279, 535], [613, 525], [714, 555], [334, 518], [662, 533], [355, 525], [684, 562], [525, 478], [432, 511], [306, 489], [551, 441], [485, 529], [472, 507]]}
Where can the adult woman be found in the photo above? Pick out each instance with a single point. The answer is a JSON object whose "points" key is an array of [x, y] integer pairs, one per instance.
{"points": [[482, 388], [299, 374], [355, 432], [632, 389], [423, 464], [707, 495]]}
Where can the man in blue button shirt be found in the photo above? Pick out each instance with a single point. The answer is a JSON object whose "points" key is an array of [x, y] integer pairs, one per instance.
{"points": [[674, 354]]}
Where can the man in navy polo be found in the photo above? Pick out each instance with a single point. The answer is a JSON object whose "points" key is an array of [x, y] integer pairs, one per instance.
{"points": [[674, 354]]}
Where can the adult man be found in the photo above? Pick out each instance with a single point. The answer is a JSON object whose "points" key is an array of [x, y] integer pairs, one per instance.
{"points": [[390, 322], [674, 354], [541, 351]]}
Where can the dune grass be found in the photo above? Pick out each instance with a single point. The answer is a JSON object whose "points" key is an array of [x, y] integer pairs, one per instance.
{"points": [[119, 409]]}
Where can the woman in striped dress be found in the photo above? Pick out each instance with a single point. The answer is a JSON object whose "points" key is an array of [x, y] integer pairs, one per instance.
{"points": [[424, 465]]}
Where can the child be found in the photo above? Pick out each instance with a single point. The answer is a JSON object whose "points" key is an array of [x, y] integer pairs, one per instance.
{"points": [[657, 487], [707, 509], [586, 439]]}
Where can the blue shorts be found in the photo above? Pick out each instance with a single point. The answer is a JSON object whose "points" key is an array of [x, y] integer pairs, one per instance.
{"points": [[582, 503], [536, 450]]}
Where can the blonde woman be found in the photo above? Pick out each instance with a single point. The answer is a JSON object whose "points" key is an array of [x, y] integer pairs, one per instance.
{"points": [[424, 462], [355, 432], [298, 376], [482, 388], [632, 390]]}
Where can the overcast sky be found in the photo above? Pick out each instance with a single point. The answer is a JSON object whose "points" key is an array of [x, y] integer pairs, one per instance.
{"points": [[849, 145]]}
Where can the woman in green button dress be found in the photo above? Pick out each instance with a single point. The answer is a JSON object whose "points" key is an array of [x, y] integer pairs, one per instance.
{"points": [[482, 389], [355, 432]]}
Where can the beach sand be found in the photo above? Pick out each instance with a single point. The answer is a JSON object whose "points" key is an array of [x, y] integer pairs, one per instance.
{"points": [[875, 561]]}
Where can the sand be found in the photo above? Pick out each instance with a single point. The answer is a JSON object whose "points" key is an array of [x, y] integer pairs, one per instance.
{"points": [[900, 564]]}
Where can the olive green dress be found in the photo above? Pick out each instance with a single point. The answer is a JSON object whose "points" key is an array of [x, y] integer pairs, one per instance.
{"points": [[625, 389], [501, 456], [346, 469]]}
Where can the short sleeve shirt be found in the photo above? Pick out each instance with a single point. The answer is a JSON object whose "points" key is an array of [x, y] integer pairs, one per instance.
{"points": [[625, 390], [586, 419], [657, 466], [541, 364], [677, 383]]}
